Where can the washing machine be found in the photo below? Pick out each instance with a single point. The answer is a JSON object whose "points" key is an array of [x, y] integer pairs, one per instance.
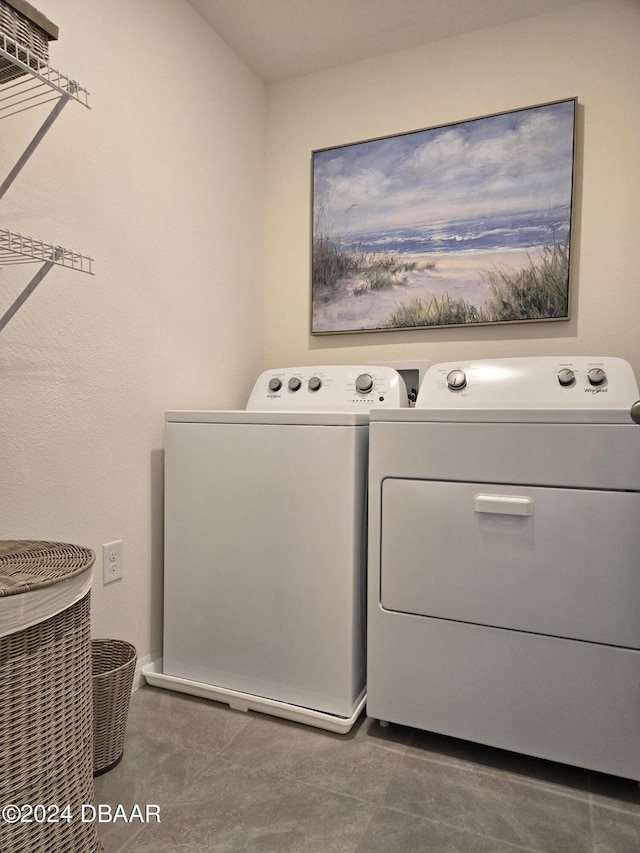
{"points": [[265, 545], [504, 573]]}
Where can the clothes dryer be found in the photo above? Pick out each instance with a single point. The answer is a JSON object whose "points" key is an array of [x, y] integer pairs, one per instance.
{"points": [[503, 559], [265, 545]]}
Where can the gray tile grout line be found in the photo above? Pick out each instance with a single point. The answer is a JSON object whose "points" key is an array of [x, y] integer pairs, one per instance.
{"points": [[481, 771], [559, 788], [175, 799], [615, 805], [358, 848], [402, 751], [380, 806], [409, 749], [445, 823], [400, 755], [453, 826], [399, 752], [562, 789], [282, 777], [556, 788], [592, 827], [123, 847]]}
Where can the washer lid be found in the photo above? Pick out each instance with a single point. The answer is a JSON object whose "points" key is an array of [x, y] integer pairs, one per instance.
{"points": [[535, 390], [240, 416]]}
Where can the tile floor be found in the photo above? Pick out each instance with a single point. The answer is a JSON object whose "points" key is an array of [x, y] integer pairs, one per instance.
{"points": [[230, 782]]}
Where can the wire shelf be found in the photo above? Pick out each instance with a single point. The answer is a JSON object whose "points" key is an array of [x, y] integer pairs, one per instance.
{"points": [[27, 80], [19, 249], [38, 84]]}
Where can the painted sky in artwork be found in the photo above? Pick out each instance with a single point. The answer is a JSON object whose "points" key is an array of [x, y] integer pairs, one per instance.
{"points": [[513, 163]]}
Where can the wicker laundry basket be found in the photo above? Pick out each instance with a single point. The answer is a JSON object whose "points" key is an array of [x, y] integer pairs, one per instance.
{"points": [[114, 664], [28, 34], [46, 736]]}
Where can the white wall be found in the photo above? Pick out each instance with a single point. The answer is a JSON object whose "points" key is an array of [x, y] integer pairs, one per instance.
{"points": [[589, 51], [162, 182]]}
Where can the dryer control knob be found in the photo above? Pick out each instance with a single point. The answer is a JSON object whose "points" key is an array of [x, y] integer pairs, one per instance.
{"points": [[294, 384], [364, 383], [275, 384], [314, 383], [566, 377], [596, 376], [456, 380]]}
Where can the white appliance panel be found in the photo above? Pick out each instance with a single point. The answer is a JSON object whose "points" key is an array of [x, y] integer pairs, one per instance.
{"points": [[585, 456], [264, 540], [546, 388], [328, 388], [562, 562], [563, 700], [504, 512]]}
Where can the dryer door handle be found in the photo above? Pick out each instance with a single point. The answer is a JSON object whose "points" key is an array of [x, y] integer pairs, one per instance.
{"points": [[503, 504]]}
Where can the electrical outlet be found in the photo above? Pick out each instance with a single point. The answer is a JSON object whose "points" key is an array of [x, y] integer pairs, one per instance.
{"points": [[112, 561]]}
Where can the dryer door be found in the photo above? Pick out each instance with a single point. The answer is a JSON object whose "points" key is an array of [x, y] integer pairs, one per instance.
{"points": [[562, 562]]}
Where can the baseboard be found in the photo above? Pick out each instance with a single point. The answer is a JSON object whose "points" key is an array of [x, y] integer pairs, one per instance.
{"points": [[138, 677]]}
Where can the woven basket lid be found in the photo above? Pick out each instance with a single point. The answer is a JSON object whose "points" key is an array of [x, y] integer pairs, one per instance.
{"points": [[27, 565]]}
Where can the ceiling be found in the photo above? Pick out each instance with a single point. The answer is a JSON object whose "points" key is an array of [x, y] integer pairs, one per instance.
{"points": [[279, 39]]}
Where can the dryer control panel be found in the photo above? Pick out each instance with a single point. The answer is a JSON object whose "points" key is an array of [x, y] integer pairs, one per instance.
{"points": [[563, 386], [328, 388]]}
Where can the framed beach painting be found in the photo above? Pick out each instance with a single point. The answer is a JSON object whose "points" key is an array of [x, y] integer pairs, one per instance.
{"points": [[463, 224]]}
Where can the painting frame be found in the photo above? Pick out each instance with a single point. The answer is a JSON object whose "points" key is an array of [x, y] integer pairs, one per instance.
{"points": [[461, 224]]}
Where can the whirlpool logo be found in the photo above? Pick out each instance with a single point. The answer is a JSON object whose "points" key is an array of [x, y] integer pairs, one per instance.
{"points": [[595, 390]]}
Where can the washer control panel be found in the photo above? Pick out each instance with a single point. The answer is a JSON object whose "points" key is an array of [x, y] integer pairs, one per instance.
{"points": [[527, 383], [328, 388]]}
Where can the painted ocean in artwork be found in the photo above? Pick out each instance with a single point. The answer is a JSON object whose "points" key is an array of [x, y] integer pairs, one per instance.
{"points": [[526, 229], [468, 223]]}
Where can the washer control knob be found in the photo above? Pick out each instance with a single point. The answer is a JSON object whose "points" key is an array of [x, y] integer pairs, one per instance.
{"points": [[566, 377], [314, 383], [294, 384], [275, 384], [596, 376], [456, 380], [364, 383]]}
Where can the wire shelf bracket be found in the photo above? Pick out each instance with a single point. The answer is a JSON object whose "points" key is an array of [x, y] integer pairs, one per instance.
{"points": [[28, 81], [18, 249], [38, 83]]}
